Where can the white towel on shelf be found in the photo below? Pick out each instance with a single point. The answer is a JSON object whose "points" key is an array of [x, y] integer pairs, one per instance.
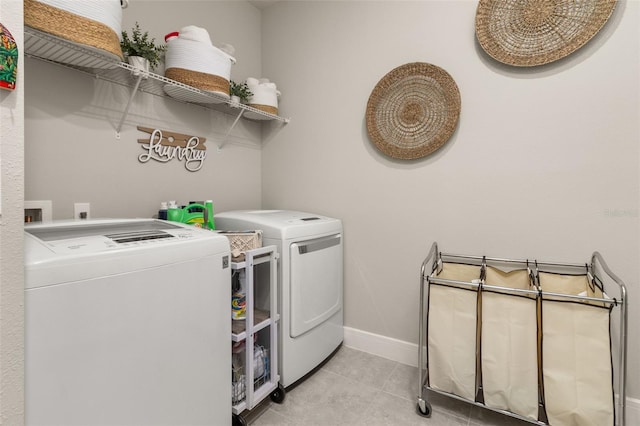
{"points": [[193, 50], [264, 92], [191, 32]]}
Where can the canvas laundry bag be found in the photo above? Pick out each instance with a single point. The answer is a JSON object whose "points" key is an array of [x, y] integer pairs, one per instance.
{"points": [[509, 361], [452, 330], [576, 354]]}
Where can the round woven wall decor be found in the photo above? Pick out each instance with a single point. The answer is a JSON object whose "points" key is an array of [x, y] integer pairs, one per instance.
{"points": [[413, 111], [527, 33]]}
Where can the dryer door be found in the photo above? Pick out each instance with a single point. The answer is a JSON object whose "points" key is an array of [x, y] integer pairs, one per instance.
{"points": [[315, 282]]}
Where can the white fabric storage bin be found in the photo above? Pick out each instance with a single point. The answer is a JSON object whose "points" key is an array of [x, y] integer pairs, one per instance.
{"points": [[192, 59], [264, 95], [452, 332], [509, 345], [576, 354]]}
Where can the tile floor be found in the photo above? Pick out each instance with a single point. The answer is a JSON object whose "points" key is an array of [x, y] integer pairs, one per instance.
{"points": [[357, 388]]}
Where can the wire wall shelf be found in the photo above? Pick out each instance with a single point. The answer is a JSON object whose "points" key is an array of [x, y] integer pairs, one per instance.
{"points": [[108, 67]]}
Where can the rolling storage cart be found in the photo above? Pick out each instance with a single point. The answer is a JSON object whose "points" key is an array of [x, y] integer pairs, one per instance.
{"points": [[528, 339], [255, 337]]}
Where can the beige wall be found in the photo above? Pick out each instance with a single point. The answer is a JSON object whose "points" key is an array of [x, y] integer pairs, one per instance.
{"points": [[11, 245], [544, 163], [72, 153]]}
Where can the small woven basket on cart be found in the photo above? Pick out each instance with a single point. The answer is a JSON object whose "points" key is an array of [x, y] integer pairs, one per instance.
{"points": [[242, 241]]}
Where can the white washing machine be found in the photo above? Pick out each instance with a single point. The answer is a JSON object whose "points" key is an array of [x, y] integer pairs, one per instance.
{"points": [[310, 278], [127, 322]]}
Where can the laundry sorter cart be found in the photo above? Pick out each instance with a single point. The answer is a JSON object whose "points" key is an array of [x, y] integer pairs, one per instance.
{"points": [[531, 340]]}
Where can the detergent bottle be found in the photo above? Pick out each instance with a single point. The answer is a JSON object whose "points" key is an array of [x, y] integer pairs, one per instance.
{"points": [[194, 214], [211, 224]]}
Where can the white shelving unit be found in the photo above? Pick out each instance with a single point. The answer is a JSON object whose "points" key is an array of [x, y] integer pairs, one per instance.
{"points": [[255, 339], [46, 47]]}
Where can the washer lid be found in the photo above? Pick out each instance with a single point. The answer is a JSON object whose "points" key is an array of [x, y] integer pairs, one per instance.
{"points": [[68, 251], [78, 237]]}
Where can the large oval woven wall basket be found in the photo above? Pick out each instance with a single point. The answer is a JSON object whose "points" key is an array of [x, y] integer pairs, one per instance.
{"points": [[537, 32], [413, 111]]}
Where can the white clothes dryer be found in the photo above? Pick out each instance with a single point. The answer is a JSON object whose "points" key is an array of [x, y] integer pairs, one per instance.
{"points": [[310, 283]]}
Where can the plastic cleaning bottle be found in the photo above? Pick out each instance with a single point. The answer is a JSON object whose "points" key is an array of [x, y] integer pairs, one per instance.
{"points": [[211, 224], [239, 298], [162, 213], [174, 213]]}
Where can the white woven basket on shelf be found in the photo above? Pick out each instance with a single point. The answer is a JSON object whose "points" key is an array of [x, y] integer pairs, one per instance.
{"points": [[192, 59]]}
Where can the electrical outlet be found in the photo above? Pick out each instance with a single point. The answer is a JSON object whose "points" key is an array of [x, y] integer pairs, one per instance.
{"points": [[81, 211]]}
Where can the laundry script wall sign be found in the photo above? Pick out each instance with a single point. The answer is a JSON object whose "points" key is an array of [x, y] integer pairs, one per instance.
{"points": [[164, 146]]}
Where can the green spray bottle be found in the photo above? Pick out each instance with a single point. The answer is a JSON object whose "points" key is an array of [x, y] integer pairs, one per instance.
{"points": [[210, 221]]}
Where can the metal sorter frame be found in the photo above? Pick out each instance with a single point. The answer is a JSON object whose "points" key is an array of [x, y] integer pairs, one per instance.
{"points": [[433, 262]]}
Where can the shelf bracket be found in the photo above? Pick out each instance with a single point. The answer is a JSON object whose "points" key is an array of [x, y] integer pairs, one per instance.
{"points": [[126, 110], [226, 136]]}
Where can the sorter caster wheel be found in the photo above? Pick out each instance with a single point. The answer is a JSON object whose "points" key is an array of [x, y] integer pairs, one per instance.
{"points": [[238, 420], [277, 395], [423, 408]]}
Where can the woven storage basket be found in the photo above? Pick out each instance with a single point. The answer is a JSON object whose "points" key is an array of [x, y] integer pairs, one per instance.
{"points": [[192, 59], [84, 25], [199, 80], [241, 242], [537, 32], [264, 95], [266, 108], [413, 111]]}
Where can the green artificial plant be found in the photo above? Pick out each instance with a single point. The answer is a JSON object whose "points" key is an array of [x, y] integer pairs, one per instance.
{"points": [[139, 44], [240, 90]]}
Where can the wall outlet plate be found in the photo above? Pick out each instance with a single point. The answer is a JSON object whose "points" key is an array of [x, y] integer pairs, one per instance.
{"points": [[81, 211], [38, 211]]}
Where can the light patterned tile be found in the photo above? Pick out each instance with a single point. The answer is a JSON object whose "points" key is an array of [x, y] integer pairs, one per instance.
{"points": [[391, 410], [449, 405], [403, 382], [272, 418], [357, 388], [485, 417], [326, 398], [367, 369]]}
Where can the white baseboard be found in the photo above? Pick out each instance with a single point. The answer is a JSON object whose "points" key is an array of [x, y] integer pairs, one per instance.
{"points": [[407, 353], [386, 347]]}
